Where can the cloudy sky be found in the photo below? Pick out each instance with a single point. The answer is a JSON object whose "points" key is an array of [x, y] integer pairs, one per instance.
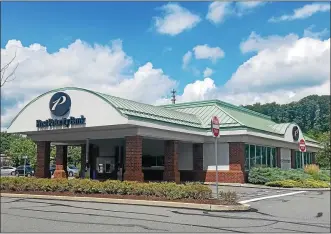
{"points": [[241, 53]]}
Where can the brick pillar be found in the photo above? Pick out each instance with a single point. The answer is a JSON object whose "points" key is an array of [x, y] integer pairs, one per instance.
{"points": [[198, 162], [236, 163], [133, 158], [82, 160], [43, 159], [278, 157], [292, 158], [171, 172], [61, 164]]}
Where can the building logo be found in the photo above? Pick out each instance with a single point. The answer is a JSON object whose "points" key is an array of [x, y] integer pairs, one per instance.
{"points": [[295, 133], [60, 104]]}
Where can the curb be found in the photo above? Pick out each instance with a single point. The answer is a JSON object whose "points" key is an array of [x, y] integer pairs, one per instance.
{"points": [[209, 207], [267, 187]]}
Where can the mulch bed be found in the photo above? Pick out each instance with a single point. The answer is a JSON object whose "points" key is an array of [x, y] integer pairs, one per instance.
{"points": [[133, 197]]}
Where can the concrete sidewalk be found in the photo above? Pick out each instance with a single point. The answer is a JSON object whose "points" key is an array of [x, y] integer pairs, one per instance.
{"points": [[208, 207]]}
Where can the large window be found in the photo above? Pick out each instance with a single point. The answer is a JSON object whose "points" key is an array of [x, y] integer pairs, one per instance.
{"points": [[307, 158], [152, 161], [256, 155]]}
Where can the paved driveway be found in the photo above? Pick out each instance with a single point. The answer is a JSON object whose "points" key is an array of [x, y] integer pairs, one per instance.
{"points": [[302, 213]]}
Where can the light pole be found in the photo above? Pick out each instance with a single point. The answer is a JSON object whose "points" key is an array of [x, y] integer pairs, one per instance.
{"points": [[24, 157]]}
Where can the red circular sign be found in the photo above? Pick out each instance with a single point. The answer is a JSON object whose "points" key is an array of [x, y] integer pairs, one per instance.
{"points": [[302, 145], [215, 126]]}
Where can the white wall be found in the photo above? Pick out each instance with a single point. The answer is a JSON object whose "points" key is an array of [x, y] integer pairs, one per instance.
{"points": [[185, 156], [222, 156], [285, 158], [96, 111], [107, 146]]}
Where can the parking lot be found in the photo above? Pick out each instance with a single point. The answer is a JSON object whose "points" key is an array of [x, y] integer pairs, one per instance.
{"points": [[307, 212]]}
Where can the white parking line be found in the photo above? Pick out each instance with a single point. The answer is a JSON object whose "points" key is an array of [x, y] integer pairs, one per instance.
{"points": [[268, 197]]}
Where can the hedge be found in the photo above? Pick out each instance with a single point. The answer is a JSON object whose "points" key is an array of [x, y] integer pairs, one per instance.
{"points": [[299, 184], [262, 175], [170, 191]]}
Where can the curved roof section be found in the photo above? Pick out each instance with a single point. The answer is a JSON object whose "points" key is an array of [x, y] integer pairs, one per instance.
{"points": [[135, 109]]}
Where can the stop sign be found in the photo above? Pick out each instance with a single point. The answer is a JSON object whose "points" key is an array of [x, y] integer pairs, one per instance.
{"points": [[215, 126], [302, 145]]}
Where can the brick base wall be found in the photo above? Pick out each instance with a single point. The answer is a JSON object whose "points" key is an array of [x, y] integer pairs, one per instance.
{"points": [[133, 158], [210, 176], [43, 159]]}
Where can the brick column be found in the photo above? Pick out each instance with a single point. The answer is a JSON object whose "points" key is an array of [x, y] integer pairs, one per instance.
{"points": [[171, 172], [292, 158], [133, 158], [43, 159], [236, 163], [278, 157], [61, 161], [198, 162], [82, 160]]}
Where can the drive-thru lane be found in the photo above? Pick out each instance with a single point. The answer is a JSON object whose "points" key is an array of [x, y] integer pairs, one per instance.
{"points": [[304, 212]]}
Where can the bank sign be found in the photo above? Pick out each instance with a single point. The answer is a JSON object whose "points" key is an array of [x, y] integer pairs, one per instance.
{"points": [[59, 106]]}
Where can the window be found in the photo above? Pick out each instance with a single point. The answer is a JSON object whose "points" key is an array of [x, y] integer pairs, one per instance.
{"points": [[259, 155], [251, 156], [273, 155], [268, 156], [246, 157], [152, 161]]}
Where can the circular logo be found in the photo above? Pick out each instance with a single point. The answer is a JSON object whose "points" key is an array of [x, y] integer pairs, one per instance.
{"points": [[295, 133], [60, 104]]}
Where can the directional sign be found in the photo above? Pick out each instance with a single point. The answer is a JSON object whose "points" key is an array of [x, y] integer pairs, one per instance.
{"points": [[215, 126], [302, 145]]}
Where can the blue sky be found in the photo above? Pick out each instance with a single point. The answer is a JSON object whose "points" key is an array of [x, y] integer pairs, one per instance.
{"points": [[56, 25]]}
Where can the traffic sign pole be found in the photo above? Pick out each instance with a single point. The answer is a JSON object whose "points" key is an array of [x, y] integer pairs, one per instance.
{"points": [[216, 167], [215, 128], [302, 148]]}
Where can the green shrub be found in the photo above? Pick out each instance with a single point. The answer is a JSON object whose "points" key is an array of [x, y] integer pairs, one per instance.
{"points": [[262, 175], [309, 183], [169, 191]]}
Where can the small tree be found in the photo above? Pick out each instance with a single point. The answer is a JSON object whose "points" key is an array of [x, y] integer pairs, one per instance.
{"points": [[5, 76], [323, 157]]}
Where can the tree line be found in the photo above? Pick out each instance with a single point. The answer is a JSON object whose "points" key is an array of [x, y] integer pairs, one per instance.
{"points": [[311, 113]]}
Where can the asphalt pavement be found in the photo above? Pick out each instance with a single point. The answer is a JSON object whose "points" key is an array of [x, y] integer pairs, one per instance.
{"points": [[303, 213]]}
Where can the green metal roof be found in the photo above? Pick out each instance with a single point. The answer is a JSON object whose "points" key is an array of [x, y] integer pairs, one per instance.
{"points": [[192, 114], [141, 110]]}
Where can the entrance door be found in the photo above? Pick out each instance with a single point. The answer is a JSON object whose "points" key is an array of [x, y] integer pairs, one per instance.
{"points": [[119, 158]]}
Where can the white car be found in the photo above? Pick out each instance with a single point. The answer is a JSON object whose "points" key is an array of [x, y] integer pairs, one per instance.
{"points": [[7, 170]]}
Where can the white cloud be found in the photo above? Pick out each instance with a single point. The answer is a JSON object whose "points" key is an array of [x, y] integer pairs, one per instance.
{"points": [[305, 62], [187, 59], [218, 11], [207, 52], [102, 68], [256, 43], [279, 74], [175, 20], [309, 33], [207, 72], [303, 12]]}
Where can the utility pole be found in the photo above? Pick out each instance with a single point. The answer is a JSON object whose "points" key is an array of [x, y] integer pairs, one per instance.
{"points": [[173, 100]]}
